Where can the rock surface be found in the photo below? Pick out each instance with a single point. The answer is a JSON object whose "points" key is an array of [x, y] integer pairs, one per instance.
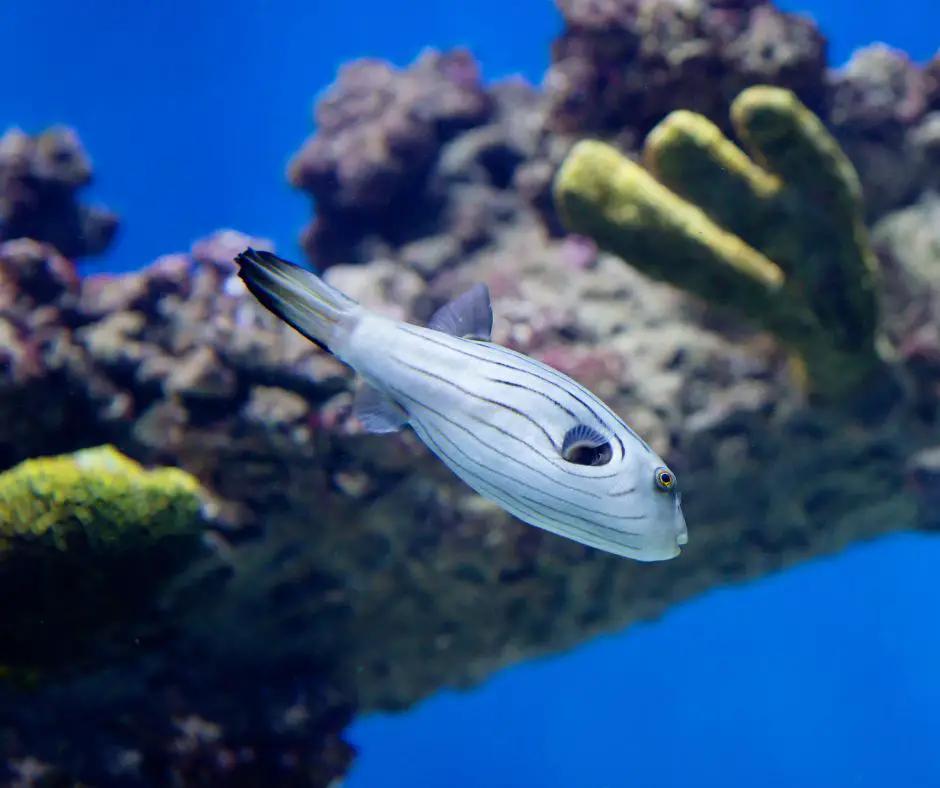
{"points": [[41, 178]]}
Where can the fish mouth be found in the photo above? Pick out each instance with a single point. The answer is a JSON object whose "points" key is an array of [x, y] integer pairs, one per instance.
{"points": [[682, 535], [665, 552], [666, 544]]}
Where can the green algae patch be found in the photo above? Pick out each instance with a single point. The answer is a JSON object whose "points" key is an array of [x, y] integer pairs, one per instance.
{"points": [[87, 540]]}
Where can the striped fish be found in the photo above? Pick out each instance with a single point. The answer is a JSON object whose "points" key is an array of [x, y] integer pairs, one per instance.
{"points": [[517, 431]]}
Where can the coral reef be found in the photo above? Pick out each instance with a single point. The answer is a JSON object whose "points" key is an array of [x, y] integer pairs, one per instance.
{"points": [[40, 178], [348, 572], [782, 244]]}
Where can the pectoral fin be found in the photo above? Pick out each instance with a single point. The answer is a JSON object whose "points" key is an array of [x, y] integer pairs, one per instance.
{"points": [[468, 316], [377, 412]]}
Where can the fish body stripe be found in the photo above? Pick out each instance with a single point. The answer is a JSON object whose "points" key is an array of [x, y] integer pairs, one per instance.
{"points": [[521, 498], [433, 421], [552, 456], [516, 368], [501, 357], [499, 424], [565, 383]]}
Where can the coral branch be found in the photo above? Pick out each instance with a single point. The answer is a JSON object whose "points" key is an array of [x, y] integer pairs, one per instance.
{"points": [[776, 237]]}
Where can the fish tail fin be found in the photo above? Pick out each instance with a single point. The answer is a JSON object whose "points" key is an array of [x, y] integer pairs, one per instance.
{"points": [[297, 296]]}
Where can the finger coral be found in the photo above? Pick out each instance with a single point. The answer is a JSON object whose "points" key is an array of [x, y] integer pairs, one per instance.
{"points": [[777, 236], [85, 541]]}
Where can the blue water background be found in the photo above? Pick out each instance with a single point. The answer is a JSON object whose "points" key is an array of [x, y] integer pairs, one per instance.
{"points": [[826, 675]]}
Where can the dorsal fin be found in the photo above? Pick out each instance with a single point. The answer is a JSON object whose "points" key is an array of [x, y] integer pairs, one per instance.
{"points": [[468, 316]]}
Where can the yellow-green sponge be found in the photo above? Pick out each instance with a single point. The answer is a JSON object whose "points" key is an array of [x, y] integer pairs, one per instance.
{"points": [[86, 540], [777, 236]]}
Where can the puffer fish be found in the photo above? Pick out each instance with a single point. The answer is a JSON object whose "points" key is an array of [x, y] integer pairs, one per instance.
{"points": [[517, 431]]}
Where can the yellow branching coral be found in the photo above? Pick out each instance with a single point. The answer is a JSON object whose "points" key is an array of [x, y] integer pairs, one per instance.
{"points": [[86, 540], [776, 236]]}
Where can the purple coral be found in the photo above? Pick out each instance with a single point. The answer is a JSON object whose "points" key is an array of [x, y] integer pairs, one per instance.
{"points": [[879, 87], [879, 110], [932, 74], [379, 131], [627, 63], [40, 178]]}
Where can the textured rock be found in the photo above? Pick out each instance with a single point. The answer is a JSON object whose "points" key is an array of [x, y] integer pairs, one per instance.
{"points": [[878, 110], [40, 178], [624, 64], [379, 132]]}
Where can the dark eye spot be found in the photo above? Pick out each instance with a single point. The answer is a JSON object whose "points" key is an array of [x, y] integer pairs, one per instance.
{"points": [[583, 445]]}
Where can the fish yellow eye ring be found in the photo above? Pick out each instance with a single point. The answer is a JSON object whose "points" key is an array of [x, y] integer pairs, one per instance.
{"points": [[665, 479]]}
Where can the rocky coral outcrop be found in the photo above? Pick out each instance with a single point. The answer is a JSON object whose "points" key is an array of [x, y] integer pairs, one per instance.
{"points": [[620, 67], [884, 112], [379, 133], [41, 178], [352, 572]]}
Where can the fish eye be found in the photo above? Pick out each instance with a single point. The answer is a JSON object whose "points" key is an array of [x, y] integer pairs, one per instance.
{"points": [[665, 479]]}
